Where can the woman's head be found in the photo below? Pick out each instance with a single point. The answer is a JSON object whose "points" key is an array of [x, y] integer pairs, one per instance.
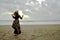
{"points": [[16, 13]]}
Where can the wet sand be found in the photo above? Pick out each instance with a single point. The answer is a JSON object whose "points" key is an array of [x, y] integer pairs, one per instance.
{"points": [[31, 32]]}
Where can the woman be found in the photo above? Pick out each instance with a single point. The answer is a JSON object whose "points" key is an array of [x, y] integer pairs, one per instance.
{"points": [[16, 25]]}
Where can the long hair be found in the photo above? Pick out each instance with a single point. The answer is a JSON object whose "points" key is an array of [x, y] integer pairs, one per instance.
{"points": [[16, 13]]}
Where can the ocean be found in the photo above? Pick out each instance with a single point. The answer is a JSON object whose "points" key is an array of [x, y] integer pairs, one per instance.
{"points": [[30, 22]]}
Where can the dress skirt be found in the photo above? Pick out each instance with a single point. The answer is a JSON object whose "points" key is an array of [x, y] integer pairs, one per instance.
{"points": [[16, 27]]}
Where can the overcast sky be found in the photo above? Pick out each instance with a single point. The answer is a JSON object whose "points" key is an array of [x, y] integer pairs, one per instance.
{"points": [[36, 9]]}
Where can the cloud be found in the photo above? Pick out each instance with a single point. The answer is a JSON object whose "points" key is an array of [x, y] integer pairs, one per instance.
{"points": [[40, 1], [49, 9]]}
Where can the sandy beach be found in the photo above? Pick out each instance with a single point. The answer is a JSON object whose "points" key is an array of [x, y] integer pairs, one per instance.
{"points": [[31, 32]]}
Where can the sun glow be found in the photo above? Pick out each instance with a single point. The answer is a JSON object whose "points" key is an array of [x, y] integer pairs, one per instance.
{"points": [[21, 13]]}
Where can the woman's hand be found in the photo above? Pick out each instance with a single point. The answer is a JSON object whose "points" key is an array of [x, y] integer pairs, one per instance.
{"points": [[13, 15], [22, 16]]}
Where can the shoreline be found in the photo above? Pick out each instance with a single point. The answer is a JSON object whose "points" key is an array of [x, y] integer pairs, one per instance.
{"points": [[33, 24]]}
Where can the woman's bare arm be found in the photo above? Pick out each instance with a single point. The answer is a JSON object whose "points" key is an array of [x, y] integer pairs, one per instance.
{"points": [[13, 16], [21, 17]]}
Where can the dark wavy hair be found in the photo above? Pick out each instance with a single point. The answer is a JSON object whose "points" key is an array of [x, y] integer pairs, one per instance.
{"points": [[16, 13]]}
